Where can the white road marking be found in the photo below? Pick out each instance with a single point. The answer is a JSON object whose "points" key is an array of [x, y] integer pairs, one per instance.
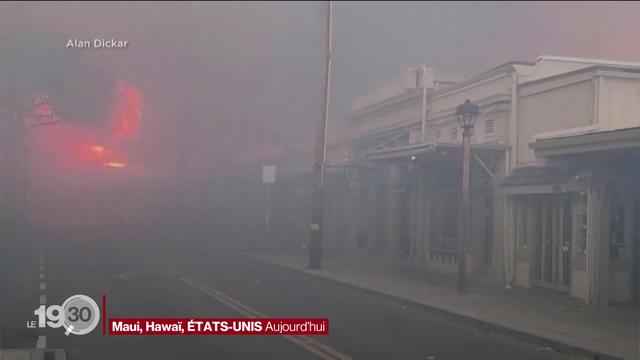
{"points": [[42, 342], [313, 346]]}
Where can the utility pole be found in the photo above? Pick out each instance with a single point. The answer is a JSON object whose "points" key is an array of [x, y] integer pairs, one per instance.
{"points": [[423, 133], [315, 243]]}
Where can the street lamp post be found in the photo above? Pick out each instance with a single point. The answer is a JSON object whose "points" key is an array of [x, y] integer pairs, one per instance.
{"points": [[467, 113]]}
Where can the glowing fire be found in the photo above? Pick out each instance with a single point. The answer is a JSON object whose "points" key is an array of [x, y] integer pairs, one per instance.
{"points": [[115, 164], [100, 155], [107, 150]]}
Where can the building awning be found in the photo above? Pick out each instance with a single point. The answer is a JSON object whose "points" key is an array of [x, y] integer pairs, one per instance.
{"points": [[539, 179], [409, 151], [535, 175], [585, 143]]}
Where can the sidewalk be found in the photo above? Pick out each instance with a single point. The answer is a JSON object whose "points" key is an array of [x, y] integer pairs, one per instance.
{"points": [[548, 317]]}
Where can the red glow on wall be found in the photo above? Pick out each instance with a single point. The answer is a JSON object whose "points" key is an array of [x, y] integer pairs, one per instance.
{"points": [[127, 111], [88, 152]]}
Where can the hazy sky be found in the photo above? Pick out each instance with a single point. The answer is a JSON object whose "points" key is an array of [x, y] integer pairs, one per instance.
{"points": [[376, 41], [254, 70]]}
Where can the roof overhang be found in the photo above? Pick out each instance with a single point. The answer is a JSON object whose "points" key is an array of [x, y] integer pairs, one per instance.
{"points": [[542, 180], [584, 143], [409, 151]]}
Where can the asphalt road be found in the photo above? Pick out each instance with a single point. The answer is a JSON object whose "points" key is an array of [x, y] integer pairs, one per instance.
{"points": [[140, 282]]}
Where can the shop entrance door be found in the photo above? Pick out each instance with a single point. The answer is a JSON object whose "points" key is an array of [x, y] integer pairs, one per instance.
{"points": [[553, 245]]}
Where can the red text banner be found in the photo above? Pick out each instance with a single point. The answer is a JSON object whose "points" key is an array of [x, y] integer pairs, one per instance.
{"points": [[241, 326]]}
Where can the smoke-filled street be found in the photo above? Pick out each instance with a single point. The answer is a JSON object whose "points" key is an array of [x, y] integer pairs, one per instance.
{"points": [[139, 284], [332, 180]]}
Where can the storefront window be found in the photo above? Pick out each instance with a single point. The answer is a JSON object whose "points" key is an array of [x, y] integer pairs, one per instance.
{"points": [[616, 230], [581, 225], [488, 230], [521, 223], [451, 221]]}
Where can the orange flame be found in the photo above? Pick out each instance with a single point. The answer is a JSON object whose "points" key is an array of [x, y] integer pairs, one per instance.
{"points": [[115, 164]]}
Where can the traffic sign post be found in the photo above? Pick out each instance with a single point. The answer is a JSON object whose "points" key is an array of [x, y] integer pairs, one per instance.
{"points": [[268, 178]]}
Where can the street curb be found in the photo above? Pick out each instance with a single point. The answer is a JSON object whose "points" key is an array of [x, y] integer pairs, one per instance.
{"points": [[483, 325]]}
